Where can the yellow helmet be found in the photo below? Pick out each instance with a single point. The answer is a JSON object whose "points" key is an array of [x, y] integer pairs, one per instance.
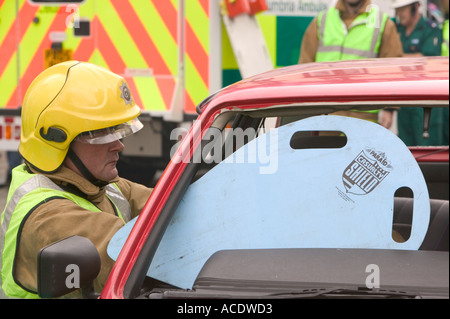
{"points": [[69, 99]]}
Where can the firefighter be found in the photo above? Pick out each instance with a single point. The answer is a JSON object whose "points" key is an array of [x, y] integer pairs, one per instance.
{"points": [[364, 25], [353, 29], [420, 37], [74, 116]]}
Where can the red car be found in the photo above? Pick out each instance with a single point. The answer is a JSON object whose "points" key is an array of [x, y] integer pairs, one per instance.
{"points": [[294, 103]]}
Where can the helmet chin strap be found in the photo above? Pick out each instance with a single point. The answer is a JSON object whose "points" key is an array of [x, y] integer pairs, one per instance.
{"points": [[83, 169]]}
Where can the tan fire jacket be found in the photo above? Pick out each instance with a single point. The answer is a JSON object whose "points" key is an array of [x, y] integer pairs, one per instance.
{"points": [[61, 218]]}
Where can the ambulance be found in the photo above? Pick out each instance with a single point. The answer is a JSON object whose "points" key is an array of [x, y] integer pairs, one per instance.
{"points": [[173, 54]]}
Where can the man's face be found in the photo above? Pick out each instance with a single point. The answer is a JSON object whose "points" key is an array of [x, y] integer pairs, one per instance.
{"points": [[404, 15], [99, 159], [354, 3]]}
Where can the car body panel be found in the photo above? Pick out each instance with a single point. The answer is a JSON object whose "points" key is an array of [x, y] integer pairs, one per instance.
{"points": [[356, 83], [293, 199], [302, 91], [311, 272]]}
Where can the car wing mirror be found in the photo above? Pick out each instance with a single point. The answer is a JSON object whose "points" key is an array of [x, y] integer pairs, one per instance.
{"points": [[67, 265]]}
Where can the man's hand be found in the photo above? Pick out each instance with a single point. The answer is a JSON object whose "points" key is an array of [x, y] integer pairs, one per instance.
{"points": [[386, 118]]}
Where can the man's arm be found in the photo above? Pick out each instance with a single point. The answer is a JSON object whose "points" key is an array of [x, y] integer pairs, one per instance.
{"points": [[391, 46], [310, 44], [59, 219], [432, 41], [136, 194]]}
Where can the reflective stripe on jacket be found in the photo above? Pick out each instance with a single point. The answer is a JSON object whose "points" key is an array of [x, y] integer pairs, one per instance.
{"points": [[27, 192], [361, 41], [445, 40]]}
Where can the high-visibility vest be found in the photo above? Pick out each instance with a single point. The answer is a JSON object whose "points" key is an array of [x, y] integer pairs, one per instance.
{"points": [[445, 40], [27, 192], [361, 41]]}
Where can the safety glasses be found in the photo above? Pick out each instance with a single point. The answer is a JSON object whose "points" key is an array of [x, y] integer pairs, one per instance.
{"points": [[110, 134]]}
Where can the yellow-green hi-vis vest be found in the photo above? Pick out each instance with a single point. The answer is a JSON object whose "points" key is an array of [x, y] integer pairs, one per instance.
{"points": [[27, 192], [362, 40], [445, 42]]}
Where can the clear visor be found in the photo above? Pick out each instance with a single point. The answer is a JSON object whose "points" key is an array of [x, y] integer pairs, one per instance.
{"points": [[110, 134]]}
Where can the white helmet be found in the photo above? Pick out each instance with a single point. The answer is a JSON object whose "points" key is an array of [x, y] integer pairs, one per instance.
{"points": [[402, 3]]}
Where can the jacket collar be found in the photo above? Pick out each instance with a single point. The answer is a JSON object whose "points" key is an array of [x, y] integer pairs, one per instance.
{"points": [[65, 176], [341, 7]]}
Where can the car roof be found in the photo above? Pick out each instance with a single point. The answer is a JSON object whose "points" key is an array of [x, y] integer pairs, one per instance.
{"points": [[331, 86]]}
